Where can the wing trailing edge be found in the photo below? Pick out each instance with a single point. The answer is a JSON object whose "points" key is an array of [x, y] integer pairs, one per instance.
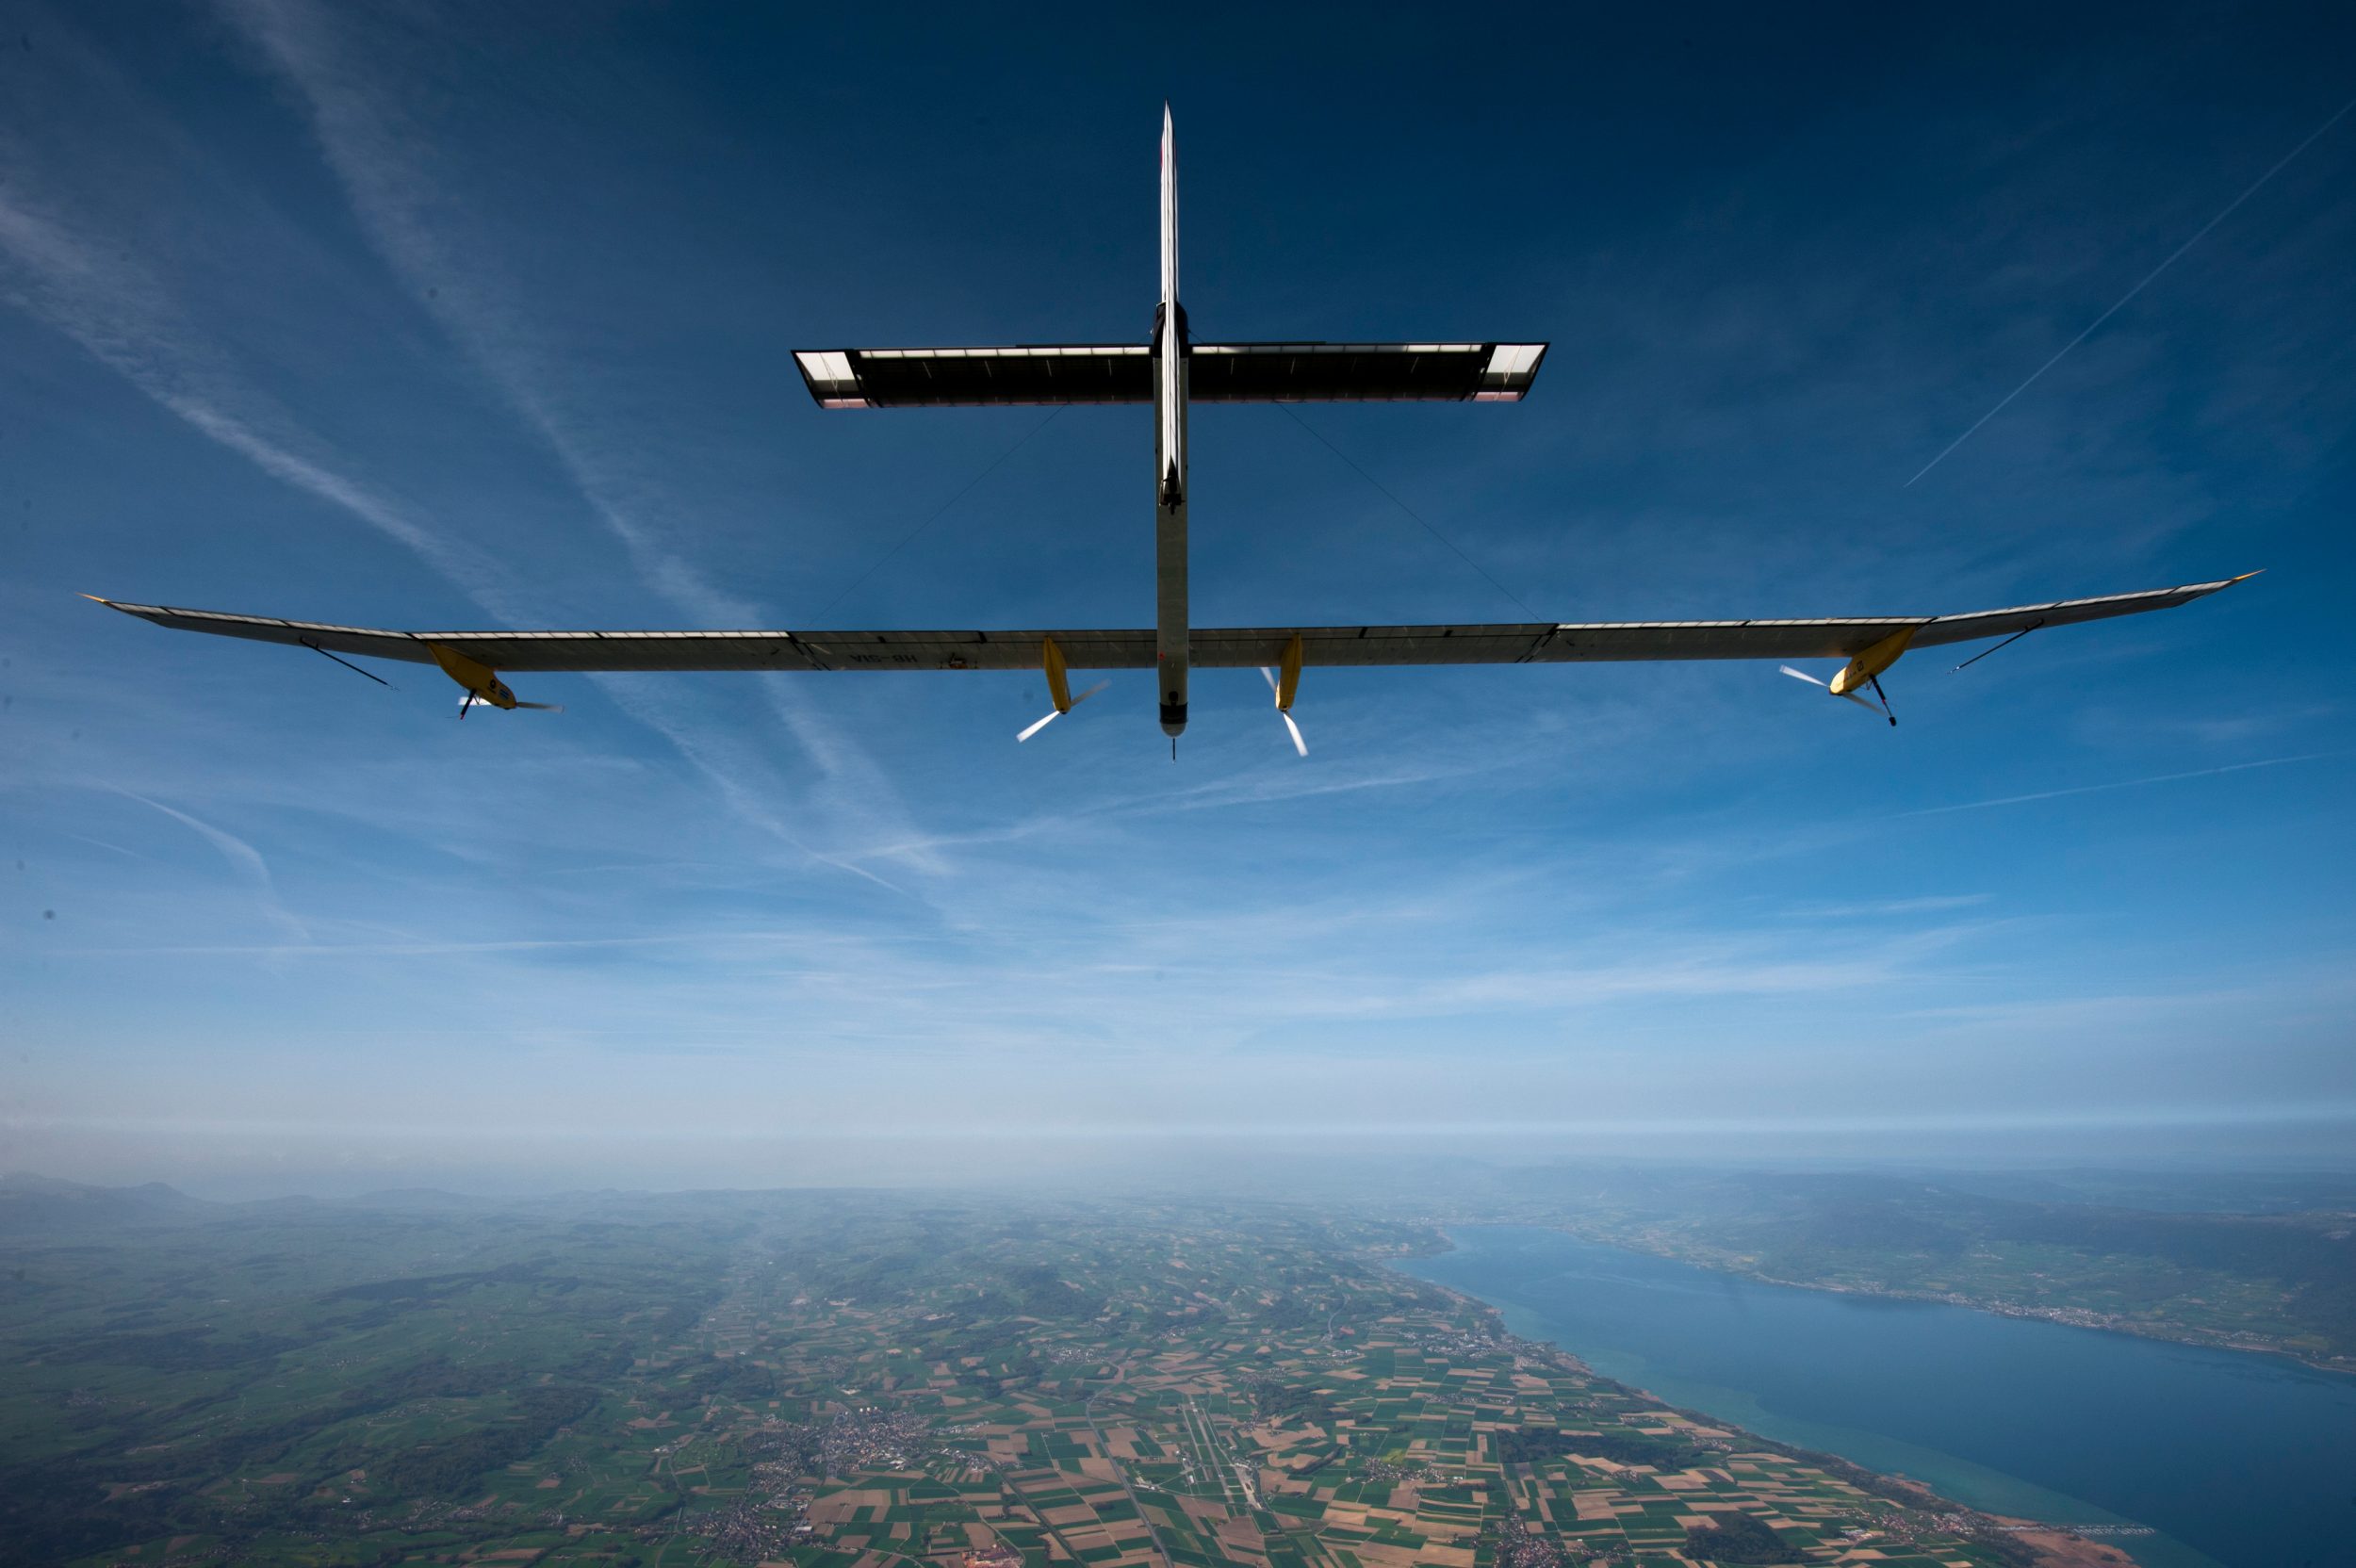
{"points": [[1214, 647]]}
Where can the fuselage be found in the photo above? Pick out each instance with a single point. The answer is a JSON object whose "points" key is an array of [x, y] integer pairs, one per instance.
{"points": [[1170, 634]]}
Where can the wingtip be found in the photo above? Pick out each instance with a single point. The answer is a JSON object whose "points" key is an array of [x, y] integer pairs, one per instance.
{"points": [[2245, 577]]}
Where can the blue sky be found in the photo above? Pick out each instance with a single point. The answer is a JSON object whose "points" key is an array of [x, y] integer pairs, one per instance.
{"points": [[445, 315]]}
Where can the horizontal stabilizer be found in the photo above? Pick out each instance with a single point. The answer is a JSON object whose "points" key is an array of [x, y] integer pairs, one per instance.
{"points": [[1235, 647], [1362, 373], [1216, 372], [940, 378]]}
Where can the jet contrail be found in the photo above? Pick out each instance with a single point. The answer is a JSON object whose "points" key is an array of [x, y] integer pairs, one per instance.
{"points": [[2118, 784], [243, 859], [2138, 288]]}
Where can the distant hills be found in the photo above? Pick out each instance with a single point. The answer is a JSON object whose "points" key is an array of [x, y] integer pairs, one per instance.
{"points": [[35, 1204]]}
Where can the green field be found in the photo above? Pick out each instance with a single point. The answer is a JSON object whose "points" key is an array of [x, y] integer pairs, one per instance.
{"points": [[835, 1378]]}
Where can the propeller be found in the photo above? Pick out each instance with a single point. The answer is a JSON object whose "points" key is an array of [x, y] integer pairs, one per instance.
{"points": [[1883, 709], [1285, 714], [1054, 713], [473, 697]]}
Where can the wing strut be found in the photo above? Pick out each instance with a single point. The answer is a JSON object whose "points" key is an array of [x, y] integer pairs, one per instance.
{"points": [[2005, 644], [345, 662]]}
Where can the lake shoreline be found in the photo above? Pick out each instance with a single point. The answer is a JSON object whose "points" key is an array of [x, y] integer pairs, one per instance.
{"points": [[2055, 1545], [2058, 1316]]}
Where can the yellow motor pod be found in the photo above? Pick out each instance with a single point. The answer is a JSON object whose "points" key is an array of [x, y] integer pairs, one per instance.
{"points": [[1873, 661], [473, 675], [1288, 674], [1058, 685]]}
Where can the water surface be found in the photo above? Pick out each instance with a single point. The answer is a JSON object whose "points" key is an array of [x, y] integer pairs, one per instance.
{"points": [[2241, 1459]]}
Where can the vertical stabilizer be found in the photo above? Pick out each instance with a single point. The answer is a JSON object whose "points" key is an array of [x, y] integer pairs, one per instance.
{"points": [[1169, 340], [1170, 213]]}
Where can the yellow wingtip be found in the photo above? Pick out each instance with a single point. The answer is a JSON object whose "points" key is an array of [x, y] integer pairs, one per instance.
{"points": [[2245, 577]]}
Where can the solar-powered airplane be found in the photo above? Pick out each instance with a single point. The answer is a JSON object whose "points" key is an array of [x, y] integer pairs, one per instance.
{"points": [[1170, 372]]}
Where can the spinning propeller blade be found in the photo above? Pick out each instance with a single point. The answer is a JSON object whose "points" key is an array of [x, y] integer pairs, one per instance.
{"points": [[1054, 713], [1877, 711], [475, 699], [1298, 744]]}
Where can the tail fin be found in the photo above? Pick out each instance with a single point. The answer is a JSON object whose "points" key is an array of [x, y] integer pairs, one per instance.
{"points": [[1170, 210]]}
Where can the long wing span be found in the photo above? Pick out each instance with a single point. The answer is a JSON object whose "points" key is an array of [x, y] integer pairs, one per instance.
{"points": [[1216, 373], [1537, 642], [528, 652], [1597, 642]]}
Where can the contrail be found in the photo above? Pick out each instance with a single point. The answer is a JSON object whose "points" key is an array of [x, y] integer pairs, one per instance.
{"points": [[2118, 784], [243, 859], [2138, 288]]}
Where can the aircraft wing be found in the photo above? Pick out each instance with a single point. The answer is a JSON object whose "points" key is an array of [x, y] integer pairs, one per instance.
{"points": [[530, 651], [1573, 642], [1535, 642], [1216, 373]]}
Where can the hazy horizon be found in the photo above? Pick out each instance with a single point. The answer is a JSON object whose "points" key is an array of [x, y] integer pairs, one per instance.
{"points": [[1323, 1169]]}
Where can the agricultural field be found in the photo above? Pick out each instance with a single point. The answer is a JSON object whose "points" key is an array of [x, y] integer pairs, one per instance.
{"points": [[843, 1379]]}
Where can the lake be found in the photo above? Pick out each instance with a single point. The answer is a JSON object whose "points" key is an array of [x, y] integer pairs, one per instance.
{"points": [[2240, 1460]]}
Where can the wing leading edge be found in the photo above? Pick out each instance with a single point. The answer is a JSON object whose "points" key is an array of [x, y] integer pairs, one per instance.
{"points": [[1233, 647]]}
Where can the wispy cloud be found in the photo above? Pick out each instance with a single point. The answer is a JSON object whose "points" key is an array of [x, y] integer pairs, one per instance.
{"points": [[1242, 789], [116, 309], [2208, 730], [442, 252], [767, 943], [101, 844], [1928, 904], [727, 765], [439, 252], [243, 859], [2116, 784], [2148, 279], [2283, 988]]}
